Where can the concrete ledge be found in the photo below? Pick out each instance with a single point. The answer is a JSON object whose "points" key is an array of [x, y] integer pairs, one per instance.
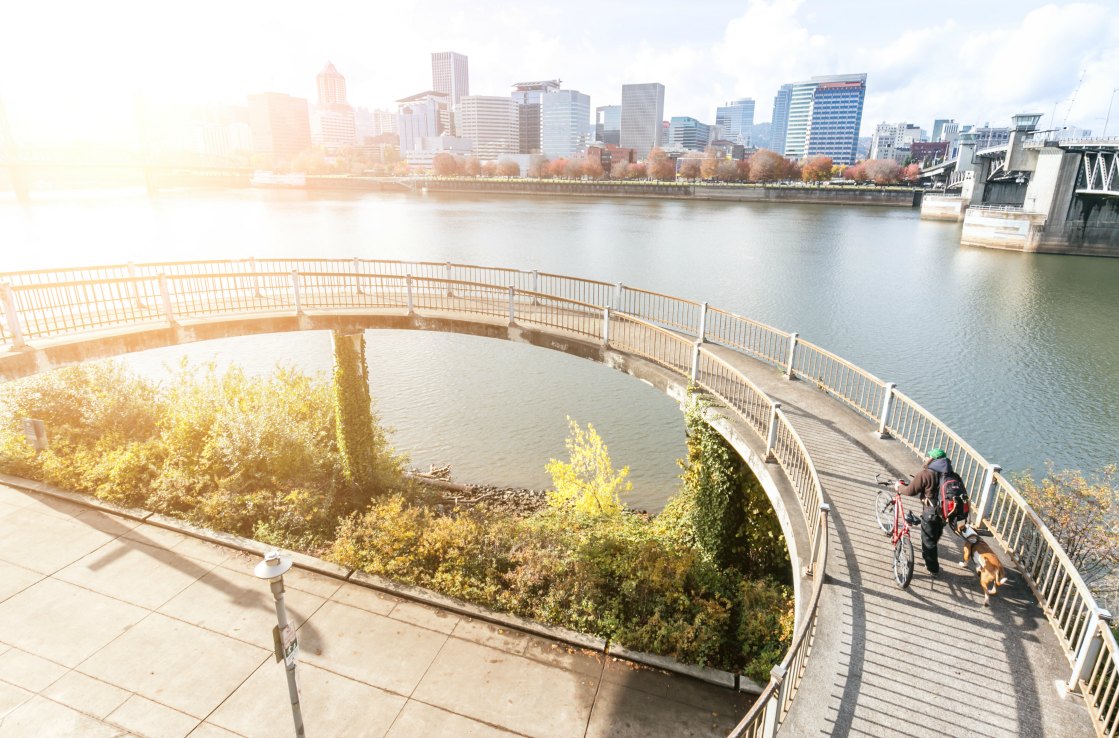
{"points": [[76, 498], [428, 597], [704, 674]]}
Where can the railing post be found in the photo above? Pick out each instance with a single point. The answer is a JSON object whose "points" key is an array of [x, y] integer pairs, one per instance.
{"points": [[450, 292], [606, 325], [535, 283], [771, 437], [825, 508], [165, 295], [132, 286], [408, 282], [701, 334], [695, 360], [987, 494], [512, 308], [792, 354], [357, 270], [887, 405], [12, 316], [256, 276], [1089, 648], [295, 292], [619, 288], [773, 709]]}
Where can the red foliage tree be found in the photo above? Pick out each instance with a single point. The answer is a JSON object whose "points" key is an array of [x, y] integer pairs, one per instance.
{"points": [[489, 168], [816, 169], [911, 173], [508, 168], [573, 168], [690, 168], [660, 167], [446, 165], [767, 166], [592, 167], [882, 171], [637, 171], [557, 167], [472, 166]]}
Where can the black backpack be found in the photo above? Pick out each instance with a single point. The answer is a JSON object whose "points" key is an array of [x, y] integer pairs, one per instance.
{"points": [[953, 497]]}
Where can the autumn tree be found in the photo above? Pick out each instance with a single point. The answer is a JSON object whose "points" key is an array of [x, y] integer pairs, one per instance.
{"points": [[817, 169], [709, 165], [587, 483], [573, 168], [489, 168], [690, 168], [508, 168], [660, 167], [911, 173], [637, 170], [767, 166], [472, 166], [557, 167], [728, 171], [882, 171], [618, 169], [743, 167], [446, 165], [538, 169], [592, 167]]}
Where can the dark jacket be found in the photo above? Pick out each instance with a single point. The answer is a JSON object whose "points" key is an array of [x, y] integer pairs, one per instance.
{"points": [[924, 485]]}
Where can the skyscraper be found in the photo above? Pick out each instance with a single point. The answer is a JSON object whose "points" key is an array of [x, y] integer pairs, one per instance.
{"points": [[608, 124], [736, 120], [824, 117], [332, 86], [564, 118], [689, 133], [450, 74], [490, 123], [780, 123], [642, 117], [332, 120], [527, 96], [421, 116]]}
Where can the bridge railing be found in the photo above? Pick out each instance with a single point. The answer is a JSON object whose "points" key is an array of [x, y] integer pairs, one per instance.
{"points": [[53, 303]]}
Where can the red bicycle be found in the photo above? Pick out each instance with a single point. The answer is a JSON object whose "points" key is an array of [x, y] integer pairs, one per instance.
{"points": [[890, 513]]}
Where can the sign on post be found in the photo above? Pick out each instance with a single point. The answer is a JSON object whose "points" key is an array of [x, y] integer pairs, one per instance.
{"points": [[285, 645], [35, 431]]}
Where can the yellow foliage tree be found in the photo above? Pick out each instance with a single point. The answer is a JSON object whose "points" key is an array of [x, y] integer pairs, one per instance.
{"points": [[587, 483]]}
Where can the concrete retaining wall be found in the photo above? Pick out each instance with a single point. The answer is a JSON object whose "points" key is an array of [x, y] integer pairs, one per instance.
{"points": [[825, 195], [997, 229], [939, 207]]}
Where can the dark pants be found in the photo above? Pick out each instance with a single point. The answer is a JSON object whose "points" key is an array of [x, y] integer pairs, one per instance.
{"points": [[931, 528]]}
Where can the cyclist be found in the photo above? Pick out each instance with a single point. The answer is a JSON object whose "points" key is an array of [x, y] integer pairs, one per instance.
{"points": [[924, 487]]}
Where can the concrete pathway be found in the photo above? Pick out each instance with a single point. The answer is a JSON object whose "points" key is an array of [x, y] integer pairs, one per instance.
{"points": [[111, 627], [928, 660]]}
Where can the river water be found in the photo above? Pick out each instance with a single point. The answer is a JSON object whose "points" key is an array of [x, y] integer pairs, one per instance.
{"points": [[1016, 352]]}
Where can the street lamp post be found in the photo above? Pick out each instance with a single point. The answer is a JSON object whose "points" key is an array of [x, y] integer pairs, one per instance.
{"points": [[287, 647]]}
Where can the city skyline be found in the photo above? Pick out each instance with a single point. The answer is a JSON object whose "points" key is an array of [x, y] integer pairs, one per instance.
{"points": [[967, 62]]}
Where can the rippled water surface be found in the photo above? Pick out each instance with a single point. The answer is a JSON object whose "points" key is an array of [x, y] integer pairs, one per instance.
{"points": [[1018, 353]]}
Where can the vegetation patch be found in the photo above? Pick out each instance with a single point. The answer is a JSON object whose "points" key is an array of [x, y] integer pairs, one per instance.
{"points": [[302, 462]]}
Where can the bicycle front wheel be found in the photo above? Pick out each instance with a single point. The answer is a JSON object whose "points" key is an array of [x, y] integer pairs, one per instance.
{"points": [[884, 511], [903, 561]]}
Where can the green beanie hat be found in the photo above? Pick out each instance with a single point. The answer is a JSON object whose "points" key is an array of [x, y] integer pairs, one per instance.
{"points": [[936, 453]]}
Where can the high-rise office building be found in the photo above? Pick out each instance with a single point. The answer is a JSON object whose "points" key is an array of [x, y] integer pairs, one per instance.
{"points": [[780, 124], [332, 86], [608, 124], [450, 74], [527, 96], [490, 123], [565, 115], [421, 116], [332, 120], [938, 128], [824, 117], [689, 133], [642, 117], [736, 120], [280, 124]]}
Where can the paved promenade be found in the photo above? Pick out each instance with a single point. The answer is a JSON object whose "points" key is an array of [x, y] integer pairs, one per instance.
{"points": [[929, 660], [112, 627]]}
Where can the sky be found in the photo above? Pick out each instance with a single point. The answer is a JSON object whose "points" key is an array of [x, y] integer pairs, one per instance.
{"points": [[71, 71]]}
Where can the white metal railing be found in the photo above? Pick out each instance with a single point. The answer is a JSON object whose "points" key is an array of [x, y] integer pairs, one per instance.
{"points": [[42, 305]]}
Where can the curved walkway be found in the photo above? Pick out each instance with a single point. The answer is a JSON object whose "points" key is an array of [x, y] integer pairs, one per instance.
{"points": [[929, 660]]}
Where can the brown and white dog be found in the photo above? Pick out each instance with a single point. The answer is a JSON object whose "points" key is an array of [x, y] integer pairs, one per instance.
{"points": [[989, 568]]}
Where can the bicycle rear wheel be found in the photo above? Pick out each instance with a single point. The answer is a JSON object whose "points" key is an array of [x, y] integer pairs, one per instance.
{"points": [[884, 511], [903, 560]]}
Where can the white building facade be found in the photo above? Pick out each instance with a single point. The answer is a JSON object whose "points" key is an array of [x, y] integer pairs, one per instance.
{"points": [[491, 124], [565, 116]]}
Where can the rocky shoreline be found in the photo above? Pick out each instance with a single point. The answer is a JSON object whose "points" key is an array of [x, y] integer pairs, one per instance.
{"points": [[444, 496]]}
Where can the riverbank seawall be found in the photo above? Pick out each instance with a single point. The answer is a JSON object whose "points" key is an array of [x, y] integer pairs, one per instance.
{"points": [[824, 195]]}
